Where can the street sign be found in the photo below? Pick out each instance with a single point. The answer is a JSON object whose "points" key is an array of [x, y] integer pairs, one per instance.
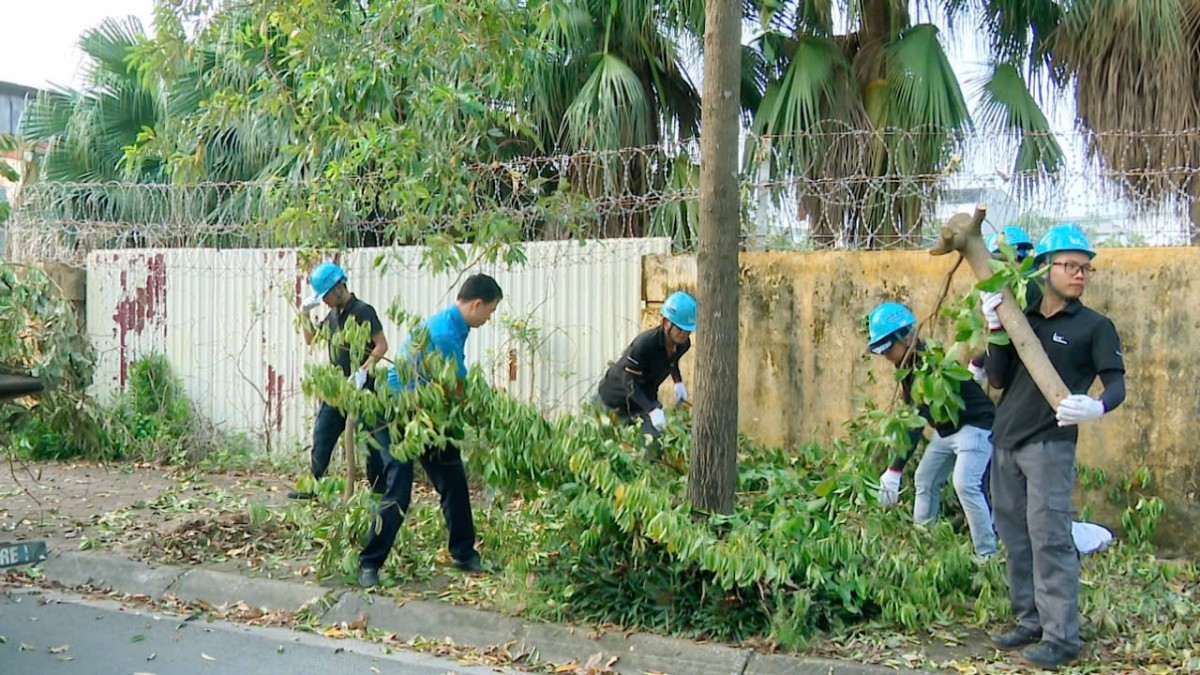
{"points": [[22, 553]]}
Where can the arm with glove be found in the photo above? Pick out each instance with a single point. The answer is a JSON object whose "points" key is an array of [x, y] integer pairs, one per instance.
{"points": [[681, 392], [1080, 408], [1109, 362]]}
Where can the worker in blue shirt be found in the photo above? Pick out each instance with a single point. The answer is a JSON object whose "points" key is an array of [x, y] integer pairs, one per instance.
{"points": [[445, 334]]}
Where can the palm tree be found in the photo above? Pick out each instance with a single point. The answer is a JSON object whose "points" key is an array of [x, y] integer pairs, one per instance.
{"points": [[1135, 68], [613, 78], [86, 131], [865, 119]]}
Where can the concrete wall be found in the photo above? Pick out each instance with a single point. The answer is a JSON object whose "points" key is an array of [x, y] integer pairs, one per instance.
{"points": [[802, 360]]}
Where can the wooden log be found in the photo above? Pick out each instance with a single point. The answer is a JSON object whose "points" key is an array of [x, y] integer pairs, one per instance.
{"points": [[962, 233]]}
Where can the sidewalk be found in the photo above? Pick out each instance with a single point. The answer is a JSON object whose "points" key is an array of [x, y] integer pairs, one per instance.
{"points": [[635, 653]]}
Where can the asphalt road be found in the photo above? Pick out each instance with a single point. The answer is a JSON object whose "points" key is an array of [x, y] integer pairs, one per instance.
{"points": [[45, 633]]}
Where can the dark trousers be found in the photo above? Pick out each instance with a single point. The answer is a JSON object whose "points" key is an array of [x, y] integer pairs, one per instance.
{"points": [[445, 470], [1031, 493], [987, 485], [328, 428]]}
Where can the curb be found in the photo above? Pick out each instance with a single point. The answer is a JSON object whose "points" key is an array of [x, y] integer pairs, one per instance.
{"points": [[636, 653]]}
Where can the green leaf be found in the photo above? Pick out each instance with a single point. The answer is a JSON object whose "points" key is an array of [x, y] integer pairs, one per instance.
{"points": [[993, 283]]}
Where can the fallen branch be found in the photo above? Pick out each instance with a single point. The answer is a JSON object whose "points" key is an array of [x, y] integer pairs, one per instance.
{"points": [[962, 233]]}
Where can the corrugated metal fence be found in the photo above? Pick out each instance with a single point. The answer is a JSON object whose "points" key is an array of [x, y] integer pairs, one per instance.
{"points": [[225, 321]]}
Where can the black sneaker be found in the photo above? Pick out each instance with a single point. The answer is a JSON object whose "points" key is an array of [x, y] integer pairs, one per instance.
{"points": [[368, 577], [1015, 639], [301, 495], [472, 566], [1047, 656]]}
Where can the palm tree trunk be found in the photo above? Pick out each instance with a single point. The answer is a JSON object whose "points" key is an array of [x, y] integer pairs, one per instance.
{"points": [[713, 475]]}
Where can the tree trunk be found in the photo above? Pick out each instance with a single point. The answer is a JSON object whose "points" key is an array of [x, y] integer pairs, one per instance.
{"points": [[713, 474]]}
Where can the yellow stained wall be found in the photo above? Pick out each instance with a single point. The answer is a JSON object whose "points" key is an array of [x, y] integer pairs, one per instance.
{"points": [[802, 361]]}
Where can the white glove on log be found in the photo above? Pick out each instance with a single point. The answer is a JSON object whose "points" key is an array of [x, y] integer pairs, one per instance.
{"points": [[680, 392], [1078, 408], [989, 301]]}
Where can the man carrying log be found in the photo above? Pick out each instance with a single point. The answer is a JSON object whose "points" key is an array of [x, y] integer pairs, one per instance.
{"points": [[1033, 467]]}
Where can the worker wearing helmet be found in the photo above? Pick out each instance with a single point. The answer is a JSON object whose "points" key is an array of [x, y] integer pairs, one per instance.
{"points": [[328, 281], [1014, 236], [1022, 245], [630, 387], [961, 446], [1034, 465], [442, 338]]}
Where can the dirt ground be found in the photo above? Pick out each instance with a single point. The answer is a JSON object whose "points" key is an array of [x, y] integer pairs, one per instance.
{"points": [[162, 514], [64, 503]]}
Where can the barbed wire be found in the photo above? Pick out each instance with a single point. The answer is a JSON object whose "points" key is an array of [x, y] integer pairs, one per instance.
{"points": [[832, 188]]}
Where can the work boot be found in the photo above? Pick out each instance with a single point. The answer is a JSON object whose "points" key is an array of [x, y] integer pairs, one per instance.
{"points": [[1015, 639], [1047, 656], [294, 494], [472, 566], [368, 577]]}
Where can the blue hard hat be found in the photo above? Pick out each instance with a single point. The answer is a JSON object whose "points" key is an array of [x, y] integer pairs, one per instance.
{"points": [[680, 309], [1062, 237], [324, 277], [884, 322], [1017, 236], [1014, 236]]}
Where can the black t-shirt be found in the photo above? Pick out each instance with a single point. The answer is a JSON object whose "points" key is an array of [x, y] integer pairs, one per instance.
{"points": [[357, 311], [1081, 343], [632, 381]]}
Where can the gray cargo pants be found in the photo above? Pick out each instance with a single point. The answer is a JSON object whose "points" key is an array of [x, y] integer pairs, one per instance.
{"points": [[1031, 498]]}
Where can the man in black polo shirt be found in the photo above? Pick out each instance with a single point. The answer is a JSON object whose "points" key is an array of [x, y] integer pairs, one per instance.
{"points": [[630, 387], [962, 447], [1033, 469], [328, 282]]}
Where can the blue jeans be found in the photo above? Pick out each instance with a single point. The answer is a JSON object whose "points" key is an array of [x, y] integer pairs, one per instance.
{"points": [[967, 453]]}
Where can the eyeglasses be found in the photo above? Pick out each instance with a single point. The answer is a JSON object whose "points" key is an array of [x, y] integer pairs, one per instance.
{"points": [[1073, 268]]}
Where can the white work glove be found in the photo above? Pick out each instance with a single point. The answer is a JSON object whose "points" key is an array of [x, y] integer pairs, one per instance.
{"points": [[977, 373], [1078, 408], [889, 487], [658, 418], [989, 301], [680, 392], [359, 378], [310, 303]]}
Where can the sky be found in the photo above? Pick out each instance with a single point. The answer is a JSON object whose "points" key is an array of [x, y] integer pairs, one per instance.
{"points": [[38, 45]]}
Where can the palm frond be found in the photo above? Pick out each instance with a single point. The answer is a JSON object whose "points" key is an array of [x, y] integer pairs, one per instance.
{"points": [[796, 105], [611, 111], [1007, 104], [109, 47], [925, 90]]}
